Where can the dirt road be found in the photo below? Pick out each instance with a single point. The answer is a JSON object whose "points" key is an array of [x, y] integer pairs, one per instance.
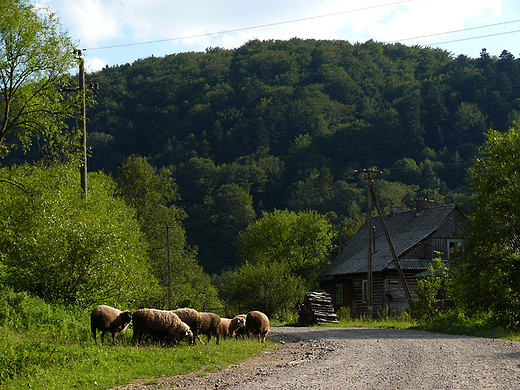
{"points": [[361, 358]]}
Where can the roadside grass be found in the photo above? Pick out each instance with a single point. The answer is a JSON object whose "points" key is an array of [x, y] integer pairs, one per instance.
{"points": [[46, 346]]}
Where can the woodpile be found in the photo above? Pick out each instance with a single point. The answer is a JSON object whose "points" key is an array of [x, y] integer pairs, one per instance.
{"points": [[317, 309]]}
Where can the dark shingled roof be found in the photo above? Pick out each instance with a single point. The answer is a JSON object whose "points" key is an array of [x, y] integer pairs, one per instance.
{"points": [[406, 230]]}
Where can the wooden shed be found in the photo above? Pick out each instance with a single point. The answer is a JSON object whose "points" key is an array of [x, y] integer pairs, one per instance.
{"points": [[418, 237]]}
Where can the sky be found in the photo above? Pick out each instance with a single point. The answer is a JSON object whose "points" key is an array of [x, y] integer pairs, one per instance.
{"points": [[116, 32]]}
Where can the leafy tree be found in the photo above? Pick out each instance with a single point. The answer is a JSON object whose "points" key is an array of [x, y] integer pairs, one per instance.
{"points": [[265, 287], [151, 192], [35, 59], [301, 242], [487, 270], [58, 246]]}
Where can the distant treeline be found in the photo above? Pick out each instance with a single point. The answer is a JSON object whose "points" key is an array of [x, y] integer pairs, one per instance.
{"points": [[284, 124]]}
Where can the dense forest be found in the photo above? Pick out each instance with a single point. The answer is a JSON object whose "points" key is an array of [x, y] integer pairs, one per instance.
{"points": [[285, 124]]}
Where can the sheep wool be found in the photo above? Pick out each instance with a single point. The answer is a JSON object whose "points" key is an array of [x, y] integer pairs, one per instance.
{"points": [[210, 326], [191, 317], [108, 319], [161, 325], [237, 325], [257, 323]]}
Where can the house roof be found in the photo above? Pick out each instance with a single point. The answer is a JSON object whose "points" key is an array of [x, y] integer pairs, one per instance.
{"points": [[407, 229]]}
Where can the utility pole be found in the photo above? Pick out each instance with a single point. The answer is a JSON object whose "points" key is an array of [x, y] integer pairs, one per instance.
{"points": [[82, 119], [169, 269], [368, 177], [83, 123], [371, 194]]}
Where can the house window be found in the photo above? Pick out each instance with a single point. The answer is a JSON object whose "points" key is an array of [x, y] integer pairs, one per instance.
{"points": [[339, 293], [364, 288], [452, 244]]}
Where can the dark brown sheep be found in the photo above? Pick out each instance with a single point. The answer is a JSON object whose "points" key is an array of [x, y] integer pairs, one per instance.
{"points": [[191, 317], [107, 319], [257, 323], [237, 325], [210, 326], [160, 325]]}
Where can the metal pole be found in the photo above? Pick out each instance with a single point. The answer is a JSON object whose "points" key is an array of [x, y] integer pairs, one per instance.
{"points": [[169, 269]]}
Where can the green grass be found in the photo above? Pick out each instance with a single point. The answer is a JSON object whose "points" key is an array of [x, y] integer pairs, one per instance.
{"points": [[46, 346], [50, 347]]}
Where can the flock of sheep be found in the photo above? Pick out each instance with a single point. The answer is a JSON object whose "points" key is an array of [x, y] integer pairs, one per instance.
{"points": [[173, 326]]}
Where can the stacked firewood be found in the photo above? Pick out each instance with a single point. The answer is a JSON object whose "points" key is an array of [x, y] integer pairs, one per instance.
{"points": [[317, 309]]}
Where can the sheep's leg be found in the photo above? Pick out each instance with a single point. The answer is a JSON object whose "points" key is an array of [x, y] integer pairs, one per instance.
{"points": [[113, 338], [102, 336], [94, 333]]}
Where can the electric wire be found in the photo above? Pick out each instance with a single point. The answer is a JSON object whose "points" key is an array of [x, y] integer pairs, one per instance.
{"points": [[249, 28]]}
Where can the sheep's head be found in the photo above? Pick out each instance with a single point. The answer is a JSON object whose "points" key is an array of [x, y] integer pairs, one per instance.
{"points": [[188, 337]]}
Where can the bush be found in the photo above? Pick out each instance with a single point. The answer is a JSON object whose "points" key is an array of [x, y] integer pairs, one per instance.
{"points": [[63, 248]]}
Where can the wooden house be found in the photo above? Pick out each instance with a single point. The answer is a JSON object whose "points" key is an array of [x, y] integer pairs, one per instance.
{"points": [[418, 236]]}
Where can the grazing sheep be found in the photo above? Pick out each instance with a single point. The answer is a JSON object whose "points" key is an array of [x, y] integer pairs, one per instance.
{"points": [[210, 326], [161, 325], [224, 327], [191, 317], [107, 319], [257, 323], [237, 326]]}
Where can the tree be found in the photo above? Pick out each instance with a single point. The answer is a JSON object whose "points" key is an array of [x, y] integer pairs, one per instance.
{"points": [[301, 242], [58, 246], [487, 270], [151, 193], [35, 59]]}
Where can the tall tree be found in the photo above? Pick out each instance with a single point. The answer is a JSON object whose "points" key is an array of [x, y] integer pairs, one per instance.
{"points": [[487, 271], [35, 60]]}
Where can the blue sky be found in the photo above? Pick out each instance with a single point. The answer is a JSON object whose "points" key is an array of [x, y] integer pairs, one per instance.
{"points": [[116, 32]]}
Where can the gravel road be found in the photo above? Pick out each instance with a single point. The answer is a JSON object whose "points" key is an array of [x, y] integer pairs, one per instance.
{"points": [[362, 358]]}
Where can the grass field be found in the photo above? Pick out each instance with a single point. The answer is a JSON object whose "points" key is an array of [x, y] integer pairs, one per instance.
{"points": [[46, 346]]}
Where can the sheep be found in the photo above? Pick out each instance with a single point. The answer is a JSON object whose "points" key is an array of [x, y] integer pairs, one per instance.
{"points": [[108, 319], [161, 325], [210, 326], [237, 325], [257, 323], [191, 317], [224, 327]]}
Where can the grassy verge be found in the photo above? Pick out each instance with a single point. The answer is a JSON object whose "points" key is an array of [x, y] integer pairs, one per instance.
{"points": [[50, 347]]}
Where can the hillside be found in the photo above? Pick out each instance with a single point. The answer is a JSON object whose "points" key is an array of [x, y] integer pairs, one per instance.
{"points": [[284, 124]]}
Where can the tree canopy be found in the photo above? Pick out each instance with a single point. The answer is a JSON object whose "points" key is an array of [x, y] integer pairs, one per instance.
{"points": [[487, 269], [36, 57]]}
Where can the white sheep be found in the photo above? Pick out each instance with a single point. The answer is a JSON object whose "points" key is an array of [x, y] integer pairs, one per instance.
{"points": [[108, 319], [237, 325], [161, 325]]}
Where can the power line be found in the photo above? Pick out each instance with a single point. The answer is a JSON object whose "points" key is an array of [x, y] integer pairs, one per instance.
{"points": [[470, 38], [250, 28], [457, 31]]}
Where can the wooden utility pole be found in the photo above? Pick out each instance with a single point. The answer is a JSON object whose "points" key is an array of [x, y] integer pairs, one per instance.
{"points": [[169, 269], [371, 194], [83, 122], [392, 250]]}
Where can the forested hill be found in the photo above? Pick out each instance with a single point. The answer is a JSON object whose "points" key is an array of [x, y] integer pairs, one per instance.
{"points": [[283, 124]]}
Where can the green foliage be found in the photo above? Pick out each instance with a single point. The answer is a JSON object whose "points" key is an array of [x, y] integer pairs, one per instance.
{"points": [[50, 347], [487, 270], [269, 288], [35, 60], [301, 242], [151, 192], [62, 248], [433, 298]]}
